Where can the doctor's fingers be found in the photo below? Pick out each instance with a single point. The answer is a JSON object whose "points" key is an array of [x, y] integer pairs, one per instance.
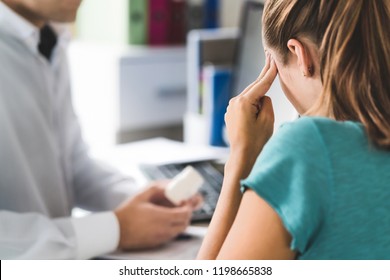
{"points": [[168, 232], [195, 202], [152, 191], [174, 216]]}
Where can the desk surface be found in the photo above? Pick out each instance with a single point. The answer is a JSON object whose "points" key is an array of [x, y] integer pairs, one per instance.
{"points": [[182, 249]]}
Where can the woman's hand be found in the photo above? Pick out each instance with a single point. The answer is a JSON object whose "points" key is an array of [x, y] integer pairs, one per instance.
{"points": [[250, 117]]}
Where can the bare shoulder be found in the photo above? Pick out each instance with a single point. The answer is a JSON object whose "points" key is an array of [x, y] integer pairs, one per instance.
{"points": [[257, 232]]}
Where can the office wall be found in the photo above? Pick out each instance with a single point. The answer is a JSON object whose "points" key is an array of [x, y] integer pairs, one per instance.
{"points": [[102, 20]]}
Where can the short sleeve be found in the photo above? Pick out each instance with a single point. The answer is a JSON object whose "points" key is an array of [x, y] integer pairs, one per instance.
{"points": [[292, 174]]}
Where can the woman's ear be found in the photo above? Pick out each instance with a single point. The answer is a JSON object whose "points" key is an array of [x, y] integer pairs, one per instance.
{"points": [[303, 57]]}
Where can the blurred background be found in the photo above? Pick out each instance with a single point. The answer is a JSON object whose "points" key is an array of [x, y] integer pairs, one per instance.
{"points": [[149, 68]]}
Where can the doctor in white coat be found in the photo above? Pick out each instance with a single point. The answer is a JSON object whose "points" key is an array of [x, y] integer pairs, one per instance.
{"points": [[45, 169]]}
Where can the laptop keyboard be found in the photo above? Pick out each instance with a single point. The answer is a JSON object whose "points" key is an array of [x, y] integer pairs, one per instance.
{"points": [[210, 189]]}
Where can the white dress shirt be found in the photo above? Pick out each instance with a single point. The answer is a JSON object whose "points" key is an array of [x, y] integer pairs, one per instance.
{"points": [[45, 169]]}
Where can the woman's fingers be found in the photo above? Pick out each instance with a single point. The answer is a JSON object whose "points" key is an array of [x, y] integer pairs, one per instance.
{"points": [[261, 87], [266, 67], [250, 100], [263, 72]]}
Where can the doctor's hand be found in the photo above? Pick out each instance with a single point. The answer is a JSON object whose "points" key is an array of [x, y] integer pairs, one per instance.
{"points": [[148, 219], [250, 117]]}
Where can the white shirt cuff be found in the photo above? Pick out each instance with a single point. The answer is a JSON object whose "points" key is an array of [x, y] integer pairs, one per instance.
{"points": [[96, 234]]}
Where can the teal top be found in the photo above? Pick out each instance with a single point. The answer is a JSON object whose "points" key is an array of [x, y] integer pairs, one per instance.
{"points": [[329, 186]]}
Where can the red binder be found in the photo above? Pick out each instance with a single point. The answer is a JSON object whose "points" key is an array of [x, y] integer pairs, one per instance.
{"points": [[159, 22]]}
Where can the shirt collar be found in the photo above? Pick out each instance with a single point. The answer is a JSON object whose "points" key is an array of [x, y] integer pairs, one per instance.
{"points": [[22, 29]]}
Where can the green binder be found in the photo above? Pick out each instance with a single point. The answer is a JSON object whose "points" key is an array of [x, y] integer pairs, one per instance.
{"points": [[138, 22]]}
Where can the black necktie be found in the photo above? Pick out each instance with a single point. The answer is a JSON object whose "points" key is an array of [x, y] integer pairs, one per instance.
{"points": [[48, 40]]}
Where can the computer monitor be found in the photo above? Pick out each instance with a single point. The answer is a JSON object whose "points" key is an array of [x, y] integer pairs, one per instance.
{"points": [[250, 59]]}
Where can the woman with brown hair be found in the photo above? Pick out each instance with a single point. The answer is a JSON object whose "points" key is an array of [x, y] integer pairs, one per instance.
{"points": [[319, 187]]}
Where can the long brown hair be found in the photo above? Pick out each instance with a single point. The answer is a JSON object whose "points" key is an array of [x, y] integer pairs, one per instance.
{"points": [[353, 38]]}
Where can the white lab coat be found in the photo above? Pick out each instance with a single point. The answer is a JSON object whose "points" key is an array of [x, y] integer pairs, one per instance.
{"points": [[45, 169]]}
